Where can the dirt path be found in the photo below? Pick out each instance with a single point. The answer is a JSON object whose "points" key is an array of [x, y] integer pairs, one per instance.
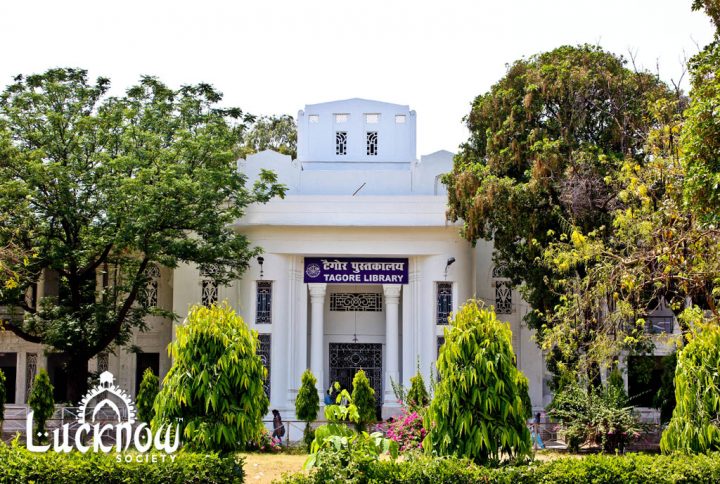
{"points": [[265, 468]]}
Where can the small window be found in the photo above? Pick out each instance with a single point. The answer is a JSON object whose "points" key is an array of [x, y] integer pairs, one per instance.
{"points": [[372, 143], [151, 288], [399, 119], [314, 118], [444, 301], [263, 313], [341, 143], [341, 118], [263, 351], [372, 118], [503, 290]]}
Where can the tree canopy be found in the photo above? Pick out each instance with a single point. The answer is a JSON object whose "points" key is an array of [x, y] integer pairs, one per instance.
{"points": [[546, 145], [278, 133], [99, 188]]}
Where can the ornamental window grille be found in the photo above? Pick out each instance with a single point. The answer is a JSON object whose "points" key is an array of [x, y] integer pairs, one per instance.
{"points": [[503, 297], [356, 301], [372, 143], [263, 351], [444, 302], [499, 271], [341, 143], [209, 285], [30, 370], [151, 288], [263, 305], [347, 358]]}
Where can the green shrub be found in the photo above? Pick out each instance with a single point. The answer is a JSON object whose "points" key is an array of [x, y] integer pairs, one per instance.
{"points": [[478, 410], [149, 387], [19, 465], [595, 469], [216, 382], [42, 403], [417, 397], [597, 416], [695, 422], [363, 396], [307, 404]]}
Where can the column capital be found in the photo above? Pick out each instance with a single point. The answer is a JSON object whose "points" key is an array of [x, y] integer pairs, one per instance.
{"points": [[317, 291], [392, 293]]}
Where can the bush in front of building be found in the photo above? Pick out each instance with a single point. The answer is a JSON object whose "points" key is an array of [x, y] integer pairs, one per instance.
{"points": [[42, 403], [417, 397], [20, 465], [478, 410], [149, 387], [694, 426], [307, 404], [363, 396], [629, 468], [214, 389]]}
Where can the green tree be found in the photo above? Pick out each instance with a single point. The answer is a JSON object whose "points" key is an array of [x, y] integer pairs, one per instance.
{"points": [[307, 404], [478, 410], [695, 422], [41, 402], [99, 188], [417, 397], [543, 142], [216, 382], [363, 397], [277, 133], [149, 387]]}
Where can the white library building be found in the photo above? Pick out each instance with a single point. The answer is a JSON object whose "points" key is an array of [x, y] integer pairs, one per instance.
{"points": [[360, 268]]}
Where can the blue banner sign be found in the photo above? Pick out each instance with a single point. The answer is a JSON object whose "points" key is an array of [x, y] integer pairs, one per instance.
{"points": [[356, 270]]}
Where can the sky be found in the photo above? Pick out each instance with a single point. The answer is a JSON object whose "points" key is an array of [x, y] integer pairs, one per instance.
{"points": [[275, 56]]}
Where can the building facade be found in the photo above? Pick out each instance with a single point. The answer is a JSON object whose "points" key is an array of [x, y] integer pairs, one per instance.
{"points": [[360, 268]]}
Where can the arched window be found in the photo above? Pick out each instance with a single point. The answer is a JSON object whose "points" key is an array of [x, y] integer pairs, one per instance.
{"points": [[503, 290]]}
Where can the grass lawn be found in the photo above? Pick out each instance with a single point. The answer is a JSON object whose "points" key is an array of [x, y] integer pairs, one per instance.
{"points": [[265, 468]]}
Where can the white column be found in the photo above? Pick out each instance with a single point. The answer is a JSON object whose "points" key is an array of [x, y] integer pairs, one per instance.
{"points": [[317, 305], [392, 359]]}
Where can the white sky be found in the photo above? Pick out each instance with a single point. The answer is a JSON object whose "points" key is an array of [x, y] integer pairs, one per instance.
{"points": [[273, 57]]}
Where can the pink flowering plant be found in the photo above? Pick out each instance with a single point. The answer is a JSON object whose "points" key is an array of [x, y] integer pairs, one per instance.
{"points": [[266, 443], [407, 430]]}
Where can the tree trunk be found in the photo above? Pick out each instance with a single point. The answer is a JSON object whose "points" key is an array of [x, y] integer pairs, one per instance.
{"points": [[77, 377]]}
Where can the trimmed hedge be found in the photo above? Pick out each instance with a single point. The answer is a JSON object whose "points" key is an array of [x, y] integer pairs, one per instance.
{"points": [[630, 468], [17, 464]]}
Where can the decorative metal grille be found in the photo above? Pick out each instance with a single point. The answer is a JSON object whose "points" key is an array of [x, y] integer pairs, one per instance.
{"points": [[341, 142], [209, 294], [347, 358], [30, 370], [263, 350], [503, 297], [372, 143], [263, 298], [103, 361], [356, 301], [499, 271], [151, 288], [444, 302], [440, 342]]}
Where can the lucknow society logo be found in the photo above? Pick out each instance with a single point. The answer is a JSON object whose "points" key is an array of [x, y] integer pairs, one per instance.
{"points": [[312, 271], [107, 414]]}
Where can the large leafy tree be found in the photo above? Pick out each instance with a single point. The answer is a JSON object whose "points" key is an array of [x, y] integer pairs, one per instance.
{"points": [[545, 143], [98, 188], [278, 133]]}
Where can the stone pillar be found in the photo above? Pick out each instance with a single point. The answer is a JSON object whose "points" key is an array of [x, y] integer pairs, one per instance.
{"points": [[392, 350], [317, 305]]}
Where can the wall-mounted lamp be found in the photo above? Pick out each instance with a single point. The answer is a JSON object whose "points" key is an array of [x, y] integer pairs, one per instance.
{"points": [[450, 262], [261, 261]]}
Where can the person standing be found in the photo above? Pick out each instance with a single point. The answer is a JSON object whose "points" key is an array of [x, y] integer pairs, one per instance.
{"points": [[278, 426]]}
